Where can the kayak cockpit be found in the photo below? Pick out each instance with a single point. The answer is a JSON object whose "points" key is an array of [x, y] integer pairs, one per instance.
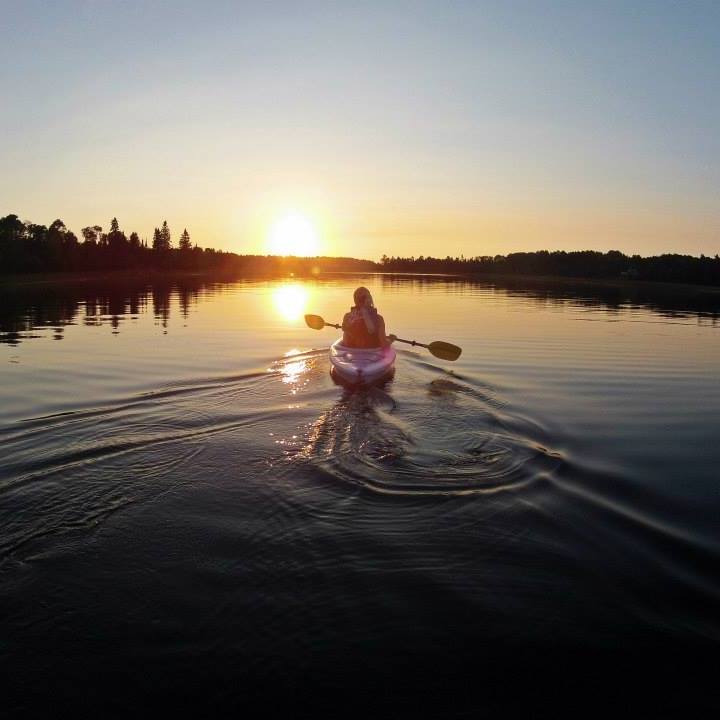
{"points": [[361, 366]]}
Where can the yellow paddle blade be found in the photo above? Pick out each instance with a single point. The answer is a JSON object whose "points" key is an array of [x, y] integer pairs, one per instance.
{"points": [[444, 350], [315, 322]]}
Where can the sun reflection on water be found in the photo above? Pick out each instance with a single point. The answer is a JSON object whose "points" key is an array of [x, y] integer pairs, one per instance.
{"points": [[290, 301], [291, 370]]}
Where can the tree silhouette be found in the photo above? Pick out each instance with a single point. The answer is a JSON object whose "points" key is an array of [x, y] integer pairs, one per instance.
{"points": [[184, 243], [30, 247], [90, 234], [116, 238], [161, 238], [165, 235]]}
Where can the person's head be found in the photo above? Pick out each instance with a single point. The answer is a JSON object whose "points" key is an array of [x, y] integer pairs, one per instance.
{"points": [[362, 297]]}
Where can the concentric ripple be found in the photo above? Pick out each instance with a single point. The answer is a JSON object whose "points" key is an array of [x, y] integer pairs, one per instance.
{"points": [[452, 440]]}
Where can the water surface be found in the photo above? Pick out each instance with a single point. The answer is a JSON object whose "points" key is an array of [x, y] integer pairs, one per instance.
{"points": [[191, 506]]}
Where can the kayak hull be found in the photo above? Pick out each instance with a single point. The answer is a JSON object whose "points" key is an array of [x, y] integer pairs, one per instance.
{"points": [[360, 366]]}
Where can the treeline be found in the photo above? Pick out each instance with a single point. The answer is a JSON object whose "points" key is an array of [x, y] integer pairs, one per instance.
{"points": [[26, 247], [579, 264]]}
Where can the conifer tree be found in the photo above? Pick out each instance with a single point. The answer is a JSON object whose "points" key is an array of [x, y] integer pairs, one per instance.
{"points": [[116, 237], [185, 240], [165, 236]]}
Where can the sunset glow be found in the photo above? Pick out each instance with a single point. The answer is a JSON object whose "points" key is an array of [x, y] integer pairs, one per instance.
{"points": [[293, 234], [410, 129]]}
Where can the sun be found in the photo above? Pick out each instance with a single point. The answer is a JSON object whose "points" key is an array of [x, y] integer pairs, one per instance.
{"points": [[293, 234]]}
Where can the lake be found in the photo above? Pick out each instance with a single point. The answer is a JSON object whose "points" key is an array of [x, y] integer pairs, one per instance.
{"points": [[195, 514]]}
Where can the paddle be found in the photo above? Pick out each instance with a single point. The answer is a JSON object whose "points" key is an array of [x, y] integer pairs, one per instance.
{"points": [[440, 349]]}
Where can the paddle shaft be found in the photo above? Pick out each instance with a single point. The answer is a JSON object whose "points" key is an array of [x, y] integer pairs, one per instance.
{"points": [[397, 339], [411, 342], [440, 349]]}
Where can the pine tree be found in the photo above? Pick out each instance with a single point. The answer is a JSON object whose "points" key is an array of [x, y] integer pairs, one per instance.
{"points": [[116, 237], [185, 240], [165, 235], [157, 240]]}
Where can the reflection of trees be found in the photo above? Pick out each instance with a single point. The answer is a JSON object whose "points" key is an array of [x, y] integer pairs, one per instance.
{"points": [[26, 309], [91, 311], [135, 303], [21, 313], [662, 299], [187, 296], [161, 303]]}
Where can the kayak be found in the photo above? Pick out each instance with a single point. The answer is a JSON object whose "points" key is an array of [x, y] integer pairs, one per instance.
{"points": [[360, 366]]}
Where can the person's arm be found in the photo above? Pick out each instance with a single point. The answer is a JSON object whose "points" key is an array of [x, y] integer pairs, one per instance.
{"points": [[345, 327], [385, 340], [367, 316]]}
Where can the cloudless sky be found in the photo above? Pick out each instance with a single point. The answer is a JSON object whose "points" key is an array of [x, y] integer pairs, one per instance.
{"points": [[404, 128]]}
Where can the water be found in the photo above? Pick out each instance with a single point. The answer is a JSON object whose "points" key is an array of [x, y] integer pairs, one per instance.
{"points": [[193, 513]]}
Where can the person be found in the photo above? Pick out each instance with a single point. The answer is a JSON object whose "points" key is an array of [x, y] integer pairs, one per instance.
{"points": [[363, 327]]}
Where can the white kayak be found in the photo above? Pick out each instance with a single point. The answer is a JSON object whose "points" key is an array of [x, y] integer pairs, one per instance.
{"points": [[360, 366]]}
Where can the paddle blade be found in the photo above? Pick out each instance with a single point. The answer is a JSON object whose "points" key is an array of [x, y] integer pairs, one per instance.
{"points": [[444, 351], [315, 322]]}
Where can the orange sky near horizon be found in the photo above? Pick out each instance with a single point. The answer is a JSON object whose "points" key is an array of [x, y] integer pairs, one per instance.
{"points": [[356, 232]]}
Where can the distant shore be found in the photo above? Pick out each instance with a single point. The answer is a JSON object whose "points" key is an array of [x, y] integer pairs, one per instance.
{"points": [[10, 281], [684, 288], [60, 278], [31, 248]]}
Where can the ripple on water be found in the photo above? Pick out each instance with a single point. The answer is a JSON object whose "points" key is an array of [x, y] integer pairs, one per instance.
{"points": [[453, 439], [63, 474]]}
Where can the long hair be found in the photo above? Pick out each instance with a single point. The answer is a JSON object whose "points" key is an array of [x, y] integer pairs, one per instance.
{"points": [[360, 293]]}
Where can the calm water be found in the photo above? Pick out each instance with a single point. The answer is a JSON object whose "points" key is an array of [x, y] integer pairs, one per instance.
{"points": [[192, 512]]}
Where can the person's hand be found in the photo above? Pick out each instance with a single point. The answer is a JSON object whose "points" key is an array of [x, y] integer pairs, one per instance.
{"points": [[392, 338]]}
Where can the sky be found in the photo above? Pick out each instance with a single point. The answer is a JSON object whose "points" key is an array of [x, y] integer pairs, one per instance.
{"points": [[405, 128]]}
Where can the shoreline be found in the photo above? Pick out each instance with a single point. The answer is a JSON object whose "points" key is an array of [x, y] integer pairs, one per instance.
{"points": [[49, 278], [603, 282], [59, 278]]}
